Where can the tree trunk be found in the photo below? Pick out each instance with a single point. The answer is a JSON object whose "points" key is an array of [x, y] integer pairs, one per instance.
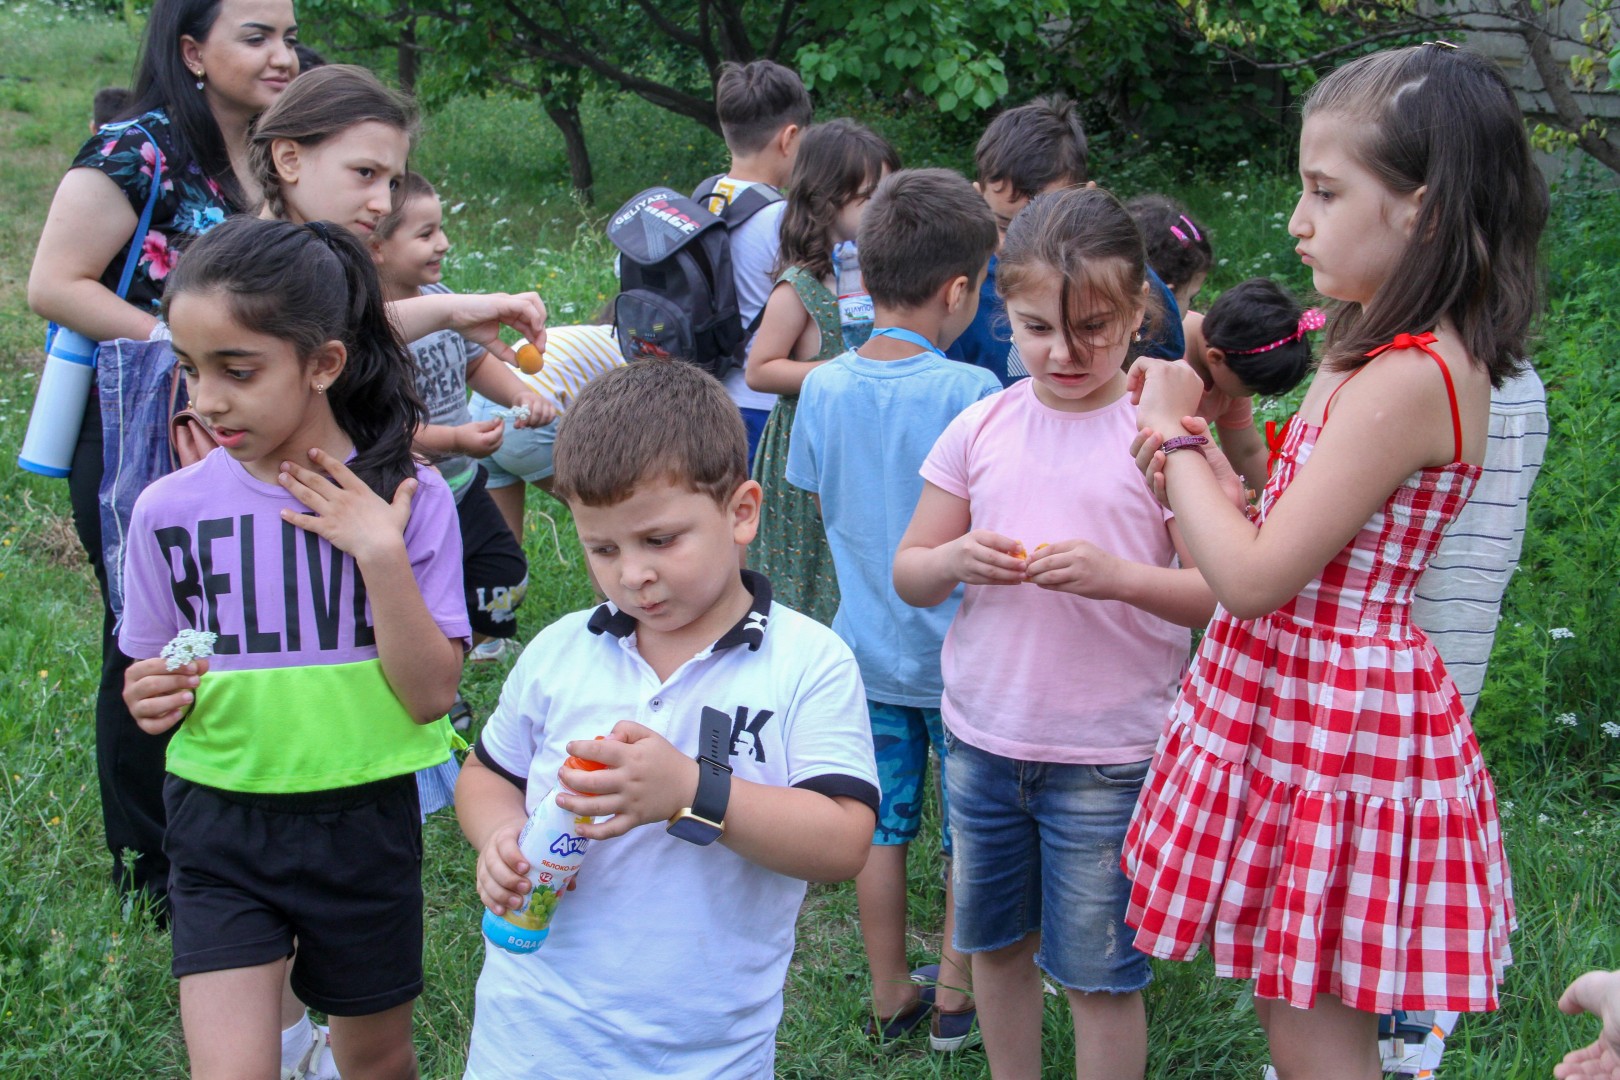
{"points": [[566, 117], [1566, 108], [407, 55]]}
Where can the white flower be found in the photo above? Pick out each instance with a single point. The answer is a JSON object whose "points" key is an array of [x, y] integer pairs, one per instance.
{"points": [[1612, 729], [1243, 163], [458, 208], [1278, 216], [1225, 261], [1568, 719], [1561, 633], [1226, 194], [502, 221], [1543, 819], [1243, 198], [188, 645]]}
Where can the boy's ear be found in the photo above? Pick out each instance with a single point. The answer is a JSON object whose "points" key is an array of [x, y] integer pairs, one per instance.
{"points": [[743, 509], [326, 363], [787, 140], [284, 155], [955, 292]]}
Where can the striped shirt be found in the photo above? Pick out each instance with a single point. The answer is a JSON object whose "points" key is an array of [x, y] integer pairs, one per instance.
{"points": [[574, 356], [1459, 597]]}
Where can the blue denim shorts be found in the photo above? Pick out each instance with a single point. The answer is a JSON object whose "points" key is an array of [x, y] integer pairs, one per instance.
{"points": [[1037, 849], [525, 453], [901, 736]]}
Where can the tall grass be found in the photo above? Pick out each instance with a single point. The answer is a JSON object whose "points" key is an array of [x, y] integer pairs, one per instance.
{"points": [[84, 987]]}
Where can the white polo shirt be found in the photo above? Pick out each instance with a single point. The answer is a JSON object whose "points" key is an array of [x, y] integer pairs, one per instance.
{"points": [[668, 959]]}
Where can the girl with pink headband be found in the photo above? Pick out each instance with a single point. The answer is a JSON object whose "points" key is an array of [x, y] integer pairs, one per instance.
{"points": [[1252, 341]]}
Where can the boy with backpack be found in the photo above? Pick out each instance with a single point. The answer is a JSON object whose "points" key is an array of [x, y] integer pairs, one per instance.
{"points": [[694, 274], [764, 109]]}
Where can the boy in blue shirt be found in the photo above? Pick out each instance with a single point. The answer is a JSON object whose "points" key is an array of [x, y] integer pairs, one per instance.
{"points": [[1028, 151], [866, 421]]}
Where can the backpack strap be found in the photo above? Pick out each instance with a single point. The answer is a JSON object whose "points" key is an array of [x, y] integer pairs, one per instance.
{"points": [[753, 199]]}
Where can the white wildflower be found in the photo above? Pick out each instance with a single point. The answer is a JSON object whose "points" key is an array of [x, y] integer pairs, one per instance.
{"points": [[517, 413], [1243, 163], [458, 208], [1568, 719], [188, 645], [1543, 819], [1226, 194], [1561, 633], [1225, 261], [1243, 198], [1611, 729]]}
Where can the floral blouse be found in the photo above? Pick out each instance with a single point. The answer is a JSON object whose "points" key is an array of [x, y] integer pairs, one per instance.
{"points": [[189, 203]]}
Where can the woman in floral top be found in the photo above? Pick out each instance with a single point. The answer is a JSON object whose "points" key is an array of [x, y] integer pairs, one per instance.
{"points": [[207, 68]]}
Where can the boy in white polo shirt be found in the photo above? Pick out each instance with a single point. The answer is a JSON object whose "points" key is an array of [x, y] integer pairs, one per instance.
{"points": [[729, 718]]}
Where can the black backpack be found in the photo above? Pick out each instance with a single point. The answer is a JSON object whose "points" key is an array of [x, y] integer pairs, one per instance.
{"points": [[677, 293]]}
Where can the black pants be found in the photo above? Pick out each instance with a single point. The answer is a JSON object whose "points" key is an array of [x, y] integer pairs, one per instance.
{"points": [[129, 762]]}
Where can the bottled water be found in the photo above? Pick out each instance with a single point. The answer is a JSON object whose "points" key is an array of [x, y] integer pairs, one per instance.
{"points": [[854, 302]]}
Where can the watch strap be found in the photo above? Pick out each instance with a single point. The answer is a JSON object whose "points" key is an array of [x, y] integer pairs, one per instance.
{"points": [[714, 774], [1183, 442]]}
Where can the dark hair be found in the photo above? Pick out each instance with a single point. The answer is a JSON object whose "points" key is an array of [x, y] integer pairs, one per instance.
{"points": [[308, 58], [108, 104], [754, 101], [923, 228], [307, 285], [1033, 147], [1247, 318], [413, 185], [838, 161], [1177, 244], [162, 81], [646, 421], [326, 102], [1085, 237], [1444, 119]]}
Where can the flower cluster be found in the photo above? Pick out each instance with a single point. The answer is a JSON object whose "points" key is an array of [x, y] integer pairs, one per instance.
{"points": [[517, 413], [188, 645]]}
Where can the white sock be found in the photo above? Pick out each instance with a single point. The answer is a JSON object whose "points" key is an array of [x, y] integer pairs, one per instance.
{"points": [[295, 1042]]}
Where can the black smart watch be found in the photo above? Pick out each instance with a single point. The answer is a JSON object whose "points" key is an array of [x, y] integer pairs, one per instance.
{"points": [[704, 821]]}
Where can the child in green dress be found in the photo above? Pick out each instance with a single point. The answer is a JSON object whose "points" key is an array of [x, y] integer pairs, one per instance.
{"points": [[839, 165]]}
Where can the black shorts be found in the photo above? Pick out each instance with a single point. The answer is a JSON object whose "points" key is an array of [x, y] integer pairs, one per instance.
{"points": [[337, 872], [495, 573]]}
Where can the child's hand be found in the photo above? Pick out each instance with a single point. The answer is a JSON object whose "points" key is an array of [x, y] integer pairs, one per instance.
{"points": [[646, 780], [479, 438], [480, 316], [503, 879], [351, 516], [1149, 458], [1074, 566], [982, 557], [1164, 391], [1595, 992], [157, 697], [541, 411]]}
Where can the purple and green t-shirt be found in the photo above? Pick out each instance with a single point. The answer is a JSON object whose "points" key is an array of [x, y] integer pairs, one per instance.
{"points": [[295, 698]]}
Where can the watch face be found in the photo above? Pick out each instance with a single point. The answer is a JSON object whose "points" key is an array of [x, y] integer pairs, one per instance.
{"points": [[694, 830]]}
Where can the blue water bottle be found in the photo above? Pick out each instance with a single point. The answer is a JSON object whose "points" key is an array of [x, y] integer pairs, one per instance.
{"points": [[854, 302], [53, 427]]}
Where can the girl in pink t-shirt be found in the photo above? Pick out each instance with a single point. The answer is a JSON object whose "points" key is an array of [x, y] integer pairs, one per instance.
{"points": [[1251, 341], [1062, 660]]}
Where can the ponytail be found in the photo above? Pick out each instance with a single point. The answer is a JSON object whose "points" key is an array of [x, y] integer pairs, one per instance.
{"points": [[307, 285]]}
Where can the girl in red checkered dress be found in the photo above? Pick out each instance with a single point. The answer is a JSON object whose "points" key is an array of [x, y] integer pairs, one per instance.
{"points": [[1318, 814]]}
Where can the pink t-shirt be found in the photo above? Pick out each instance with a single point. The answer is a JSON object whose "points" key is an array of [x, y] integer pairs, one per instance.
{"points": [[1047, 676]]}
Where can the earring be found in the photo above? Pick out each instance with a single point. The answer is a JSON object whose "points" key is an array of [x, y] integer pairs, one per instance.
{"points": [[320, 388], [1136, 338], [199, 74]]}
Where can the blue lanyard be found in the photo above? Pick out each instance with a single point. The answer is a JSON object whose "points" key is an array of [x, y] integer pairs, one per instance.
{"points": [[901, 334]]}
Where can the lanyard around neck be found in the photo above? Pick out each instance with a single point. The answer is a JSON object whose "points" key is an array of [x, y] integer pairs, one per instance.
{"points": [[900, 333]]}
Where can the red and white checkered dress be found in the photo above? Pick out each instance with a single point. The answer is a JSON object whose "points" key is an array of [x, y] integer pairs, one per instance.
{"points": [[1318, 813]]}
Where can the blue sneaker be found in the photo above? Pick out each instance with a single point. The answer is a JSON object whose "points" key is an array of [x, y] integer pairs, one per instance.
{"points": [[948, 1031]]}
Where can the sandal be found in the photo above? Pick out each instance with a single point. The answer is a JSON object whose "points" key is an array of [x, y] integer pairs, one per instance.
{"points": [[898, 1026]]}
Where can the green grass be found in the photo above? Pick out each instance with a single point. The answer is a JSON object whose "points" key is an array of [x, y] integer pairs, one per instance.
{"points": [[85, 990]]}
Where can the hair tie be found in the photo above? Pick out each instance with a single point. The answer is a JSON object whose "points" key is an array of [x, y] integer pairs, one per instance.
{"points": [[320, 230], [1312, 319], [1183, 237]]}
